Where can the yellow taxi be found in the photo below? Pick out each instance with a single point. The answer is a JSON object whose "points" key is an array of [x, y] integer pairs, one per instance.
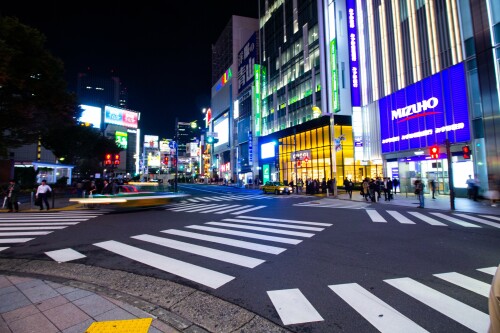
{"points": [[276, 188]]}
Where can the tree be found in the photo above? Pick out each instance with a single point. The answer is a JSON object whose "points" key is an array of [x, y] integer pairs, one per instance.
{"points": [[33, 96], [81, 146]]}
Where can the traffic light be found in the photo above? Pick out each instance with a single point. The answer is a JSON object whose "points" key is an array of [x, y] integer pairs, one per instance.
{"points": [[466, 152], [210, 139], [107, 159], [165, 160], [434, 151], [117, 159]]}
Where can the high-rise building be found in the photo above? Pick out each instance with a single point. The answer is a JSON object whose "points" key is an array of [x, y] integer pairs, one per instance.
{"points": [[98, 90]]}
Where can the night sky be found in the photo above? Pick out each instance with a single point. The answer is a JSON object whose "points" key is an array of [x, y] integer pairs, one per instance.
{"points": [[162, 54]]}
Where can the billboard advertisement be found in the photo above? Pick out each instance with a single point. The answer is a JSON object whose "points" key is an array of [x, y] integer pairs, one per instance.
{"points": [[426, 113], [151, 141], [121, 139], [122, 117], [222, 129], [246, 63], [91, 115]]}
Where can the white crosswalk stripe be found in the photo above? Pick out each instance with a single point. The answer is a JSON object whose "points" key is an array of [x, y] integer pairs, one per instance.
{"points": [[205, 208], [247, 234], [233, 197], [488, 270], [400, 217], [450, 307], [466, 282], [455, 220], [477, 219], [18, 228], [284, 225], [269, 230], [293, 307], [375, 216], [330, 203]]}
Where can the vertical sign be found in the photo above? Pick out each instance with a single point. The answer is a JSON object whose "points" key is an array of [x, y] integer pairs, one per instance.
{"points": [[265, 173], [246, 62], [250, 148], [257, 85], [353, 52], [335, 80]]}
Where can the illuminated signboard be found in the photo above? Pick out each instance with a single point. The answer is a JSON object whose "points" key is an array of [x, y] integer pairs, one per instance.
{"points": [[353, 52], [268, 150], [122, 117], [335, 80], [121, 139], [259, 72], [426, 113], [228, 75], [222, 129], [151, 141], [91, 115], [246, 62]]}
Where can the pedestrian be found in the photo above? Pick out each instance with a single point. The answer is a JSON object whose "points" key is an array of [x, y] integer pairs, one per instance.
{"points": [[395, 184], [107, 188], [300, 183], [348, 185], [389, 187], [372, 187], [365, 188], [470, 187], [42, 193], [92, 189], [12, 196], [419, 192], [323, 186], [432, 184]]}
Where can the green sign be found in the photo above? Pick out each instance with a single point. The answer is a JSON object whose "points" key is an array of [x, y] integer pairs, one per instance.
{"points": [[335, 79], [265, 173], [257, 97], [121, 139]]}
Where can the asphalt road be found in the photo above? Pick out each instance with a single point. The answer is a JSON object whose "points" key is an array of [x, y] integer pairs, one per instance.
{"points": [[315, 268]]}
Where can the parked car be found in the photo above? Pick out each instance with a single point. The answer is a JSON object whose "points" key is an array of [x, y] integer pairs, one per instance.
{"points": [[276, 188]]}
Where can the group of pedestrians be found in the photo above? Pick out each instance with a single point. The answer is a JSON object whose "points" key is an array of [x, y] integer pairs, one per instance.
{"points": [[372, 189]]}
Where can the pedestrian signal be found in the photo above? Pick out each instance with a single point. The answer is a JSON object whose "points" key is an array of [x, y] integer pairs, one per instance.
{"points": [[107, 159], [434, 151], [466, 152], [117, 159]]}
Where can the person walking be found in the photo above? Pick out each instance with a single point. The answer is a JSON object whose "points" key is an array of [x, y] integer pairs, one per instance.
{"points": [[42, 193], [107, 188], [12, 194], [432, 184], [348, 185], [395, 184], [366, 188], [470, 187], [419, 192]]}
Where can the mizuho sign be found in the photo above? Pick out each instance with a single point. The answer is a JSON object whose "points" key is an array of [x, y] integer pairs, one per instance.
{"points": [[414, 110]]}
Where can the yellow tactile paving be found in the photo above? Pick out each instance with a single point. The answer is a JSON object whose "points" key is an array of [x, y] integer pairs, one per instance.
{"points": [[121, 326]]}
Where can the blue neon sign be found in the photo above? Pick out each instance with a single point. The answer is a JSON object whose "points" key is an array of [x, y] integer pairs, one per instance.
{"points": [[426, 113], [352, 32]]}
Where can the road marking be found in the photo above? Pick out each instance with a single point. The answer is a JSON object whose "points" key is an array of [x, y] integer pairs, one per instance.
{"points": [[195, 208], [25, 233], [225, 208], [477, 219], [457, 221], [43, 220], [14, 240], [2, 224], [466, 282], [183, 269], [375, 216], [380, 314], [491, 217], [203, 199], [458, 311], [427, 219], [65, 255], [247, 234], [3, 248], [30, 228], [488, 270], [275, 224], [270, 230], [293, 307], [284, 220], [227, 241], [247, 210], [193, 200], [400, 217], [204, 251]]}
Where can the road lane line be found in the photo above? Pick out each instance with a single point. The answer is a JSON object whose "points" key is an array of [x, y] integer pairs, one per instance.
{"points": [[227, 241], [233, 209], [25, 233], [400, 217], [183, 269], [232, 258], [477, 219], [456, 221], [450, 307], [247, 234], [491, 217], [195, 208], [284, 220], [284, 225], [247, 210], [3, 248], [380, 314], [466, 282], [30, 228], [293, 307], [428, 219], [270, 230], [375, 216]]}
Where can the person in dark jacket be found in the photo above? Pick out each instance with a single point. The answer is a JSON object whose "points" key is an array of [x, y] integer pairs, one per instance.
{"points": [[12, 196]]}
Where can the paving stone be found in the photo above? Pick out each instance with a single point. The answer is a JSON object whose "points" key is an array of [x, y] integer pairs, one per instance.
{"points": [[35, 323], [78, 293], [66, 315], [8, 290], [24, 285], [115, 314], [39, 293], [51, 303], [4, 282], [3, 326], [12, 301], [79, 328], [94, 305], [17, 314]]}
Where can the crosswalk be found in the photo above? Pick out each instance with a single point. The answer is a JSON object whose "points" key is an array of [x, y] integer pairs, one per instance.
{"points": [[328, 203], [431, 218], [22, 227], [233, 197], [205, 208], [217, 240], [293, 307]]}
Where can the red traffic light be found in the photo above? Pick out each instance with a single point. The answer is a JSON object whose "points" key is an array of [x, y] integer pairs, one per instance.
{"points": [[107, 159], [165, 160], [434, 151], [466, 152]]}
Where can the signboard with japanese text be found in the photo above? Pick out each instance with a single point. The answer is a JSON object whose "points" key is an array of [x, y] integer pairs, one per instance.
{"points": [[246, 60], [122, 117]]}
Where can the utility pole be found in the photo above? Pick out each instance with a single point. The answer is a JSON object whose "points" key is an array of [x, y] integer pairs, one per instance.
{"points": [[450, 175], [176, 145]]}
